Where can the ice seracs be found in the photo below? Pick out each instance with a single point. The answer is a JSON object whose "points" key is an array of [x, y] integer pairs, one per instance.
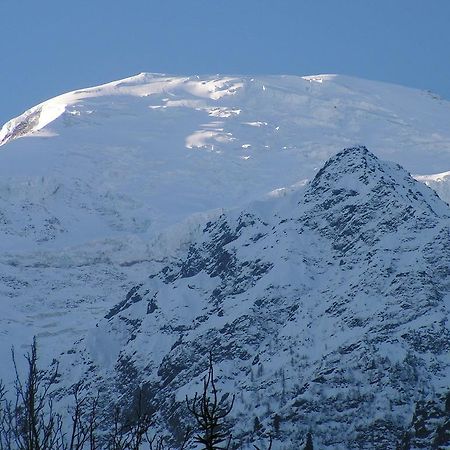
{"points": [[103, 186]]}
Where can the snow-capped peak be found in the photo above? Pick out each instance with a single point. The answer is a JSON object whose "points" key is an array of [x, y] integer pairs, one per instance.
{"points": [[141, 85], [87, 197], [356, 171], [332, 305]]}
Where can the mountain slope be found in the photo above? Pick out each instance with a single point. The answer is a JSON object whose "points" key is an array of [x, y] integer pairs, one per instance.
{"points": [[327, 305], [88, 178], [137, 155], [103, 186]]}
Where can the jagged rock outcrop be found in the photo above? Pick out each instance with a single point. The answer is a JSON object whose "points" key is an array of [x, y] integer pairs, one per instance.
{"points": [[326, 307], [90, 178]]}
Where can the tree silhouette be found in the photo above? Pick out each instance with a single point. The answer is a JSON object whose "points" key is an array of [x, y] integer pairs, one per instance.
{"points": [[268, 448], [210, 414], [309, 442]]}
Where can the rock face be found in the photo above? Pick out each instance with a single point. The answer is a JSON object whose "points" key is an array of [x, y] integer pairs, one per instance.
{"points": [[89, 179], [325, 307]]}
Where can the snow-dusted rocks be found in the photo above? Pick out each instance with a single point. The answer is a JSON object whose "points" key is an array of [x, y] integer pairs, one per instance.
{"points": [[103, 186], [328, 306], [138, 155]]}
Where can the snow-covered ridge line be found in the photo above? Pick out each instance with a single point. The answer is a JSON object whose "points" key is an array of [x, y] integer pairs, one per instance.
{"points": [[437, 177], [146, 84], [46, 112], [141, 85], [328, 302]]}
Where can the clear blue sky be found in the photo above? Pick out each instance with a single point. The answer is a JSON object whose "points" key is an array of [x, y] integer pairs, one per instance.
{"points": [[51, 46]]}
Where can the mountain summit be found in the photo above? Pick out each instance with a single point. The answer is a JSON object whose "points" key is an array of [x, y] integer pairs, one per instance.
{"points": [[327, 307], [89, 178], [324, 301]]}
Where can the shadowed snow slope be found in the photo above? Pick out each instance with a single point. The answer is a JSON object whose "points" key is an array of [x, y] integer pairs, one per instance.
{"points": [[140, 154], [88, 178], [102, 186], [328, 306]]}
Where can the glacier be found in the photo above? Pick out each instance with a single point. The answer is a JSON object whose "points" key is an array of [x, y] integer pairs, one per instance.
{"points": [[103, 187]]}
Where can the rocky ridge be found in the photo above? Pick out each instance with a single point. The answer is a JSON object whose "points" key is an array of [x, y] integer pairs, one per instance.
{"points": [[326, 306]]}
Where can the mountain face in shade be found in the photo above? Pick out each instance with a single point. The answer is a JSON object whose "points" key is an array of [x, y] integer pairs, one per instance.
{"points": [[90, 178], [325, 302], [138, 155], [326, 305]]}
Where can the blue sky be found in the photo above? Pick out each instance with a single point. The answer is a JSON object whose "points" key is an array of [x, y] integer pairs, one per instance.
{"points": [[51, 46]]}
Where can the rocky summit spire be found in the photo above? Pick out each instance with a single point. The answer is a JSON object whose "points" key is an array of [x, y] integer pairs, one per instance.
{"points": [[356, 197], [357, 171]]}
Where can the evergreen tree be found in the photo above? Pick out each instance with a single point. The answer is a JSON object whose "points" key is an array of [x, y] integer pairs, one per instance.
{"points": [[256, 425], [210, 414], [309, 442], [405, 443], [276, 423]]}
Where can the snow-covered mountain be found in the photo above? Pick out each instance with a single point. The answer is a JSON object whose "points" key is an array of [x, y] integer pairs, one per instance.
{"points": [[138, 155], [328, 306], [101, 187]]}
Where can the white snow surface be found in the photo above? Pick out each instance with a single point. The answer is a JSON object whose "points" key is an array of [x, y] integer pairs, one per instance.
{"points": [[137, 155], [98, 172], [101, 185], [328, 305], [440, 182]]}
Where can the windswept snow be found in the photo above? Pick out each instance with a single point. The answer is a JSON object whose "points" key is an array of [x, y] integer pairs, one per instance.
{"points": [[326, 304], [89, 178], [440, 182]]}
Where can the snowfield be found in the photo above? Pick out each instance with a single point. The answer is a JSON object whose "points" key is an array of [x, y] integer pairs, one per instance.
{"points": [[102, 187]]}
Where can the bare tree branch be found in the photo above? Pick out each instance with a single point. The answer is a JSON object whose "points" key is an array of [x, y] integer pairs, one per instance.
{"points": [[268, 448], [210, 414]]}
